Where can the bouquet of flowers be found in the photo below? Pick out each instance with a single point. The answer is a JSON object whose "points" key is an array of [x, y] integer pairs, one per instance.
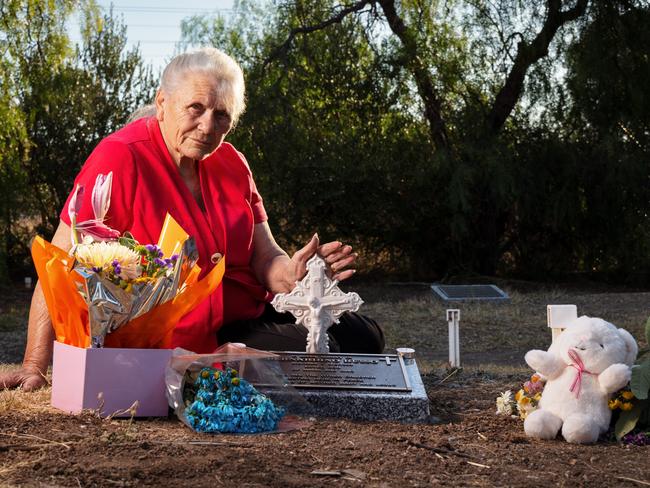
{"points": [[524, 401], [223, 402], [110, 290], [210, 392]]}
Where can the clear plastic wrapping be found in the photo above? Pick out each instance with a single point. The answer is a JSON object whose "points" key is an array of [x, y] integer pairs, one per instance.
{"points": [[211, 392]]}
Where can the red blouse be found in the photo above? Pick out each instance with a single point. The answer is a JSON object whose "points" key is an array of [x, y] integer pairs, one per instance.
{"points": [[147, 185]]}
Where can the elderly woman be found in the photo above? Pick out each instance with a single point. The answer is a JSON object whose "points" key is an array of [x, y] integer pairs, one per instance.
{"points": [[177, 161]]}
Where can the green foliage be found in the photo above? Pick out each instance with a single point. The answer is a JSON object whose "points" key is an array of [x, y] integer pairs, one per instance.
{"points": [[639, 416], [63, 101], [640, 382], [339, 132], [340, 140], [627, 421]]}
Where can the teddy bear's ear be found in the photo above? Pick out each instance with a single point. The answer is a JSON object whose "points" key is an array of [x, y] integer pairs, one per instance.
{"points": [[630, 345]]}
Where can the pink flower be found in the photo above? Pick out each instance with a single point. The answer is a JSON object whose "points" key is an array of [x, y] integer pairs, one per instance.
{"points": [[101, 201], [97, 230], [76, 202], [101, 197]]}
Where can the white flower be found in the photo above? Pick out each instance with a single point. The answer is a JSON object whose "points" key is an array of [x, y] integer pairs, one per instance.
{"points": [[102, 255], [505, 403]]}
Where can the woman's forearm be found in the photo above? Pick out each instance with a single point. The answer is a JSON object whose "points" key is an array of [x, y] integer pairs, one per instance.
{"points": [[40, 335]]}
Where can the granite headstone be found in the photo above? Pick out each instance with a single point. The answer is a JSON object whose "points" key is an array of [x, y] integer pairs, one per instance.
{"points": [[356, 386]]}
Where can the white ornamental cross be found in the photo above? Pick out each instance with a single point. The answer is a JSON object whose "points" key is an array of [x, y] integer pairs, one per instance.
{"points": [[317, 302]]}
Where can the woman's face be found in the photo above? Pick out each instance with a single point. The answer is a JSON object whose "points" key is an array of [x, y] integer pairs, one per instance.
{"points": [[193, 120]]}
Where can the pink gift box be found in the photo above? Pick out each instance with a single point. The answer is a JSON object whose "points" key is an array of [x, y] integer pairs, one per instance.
{"points": [[122, 376]]}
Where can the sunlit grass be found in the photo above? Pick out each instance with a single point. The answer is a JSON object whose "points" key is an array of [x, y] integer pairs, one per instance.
{"points": [[415, 318], [18, 400]]}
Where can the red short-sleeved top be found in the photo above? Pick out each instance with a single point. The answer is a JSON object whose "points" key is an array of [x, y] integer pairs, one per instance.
{"points": [[147, 185]]}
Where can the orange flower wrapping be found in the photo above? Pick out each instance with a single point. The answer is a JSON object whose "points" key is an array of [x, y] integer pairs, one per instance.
{"points": [[152, 330]]}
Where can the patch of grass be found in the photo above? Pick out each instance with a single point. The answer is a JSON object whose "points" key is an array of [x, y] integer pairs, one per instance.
{"points": [[19, 400], [413, 317], [13, 318]]}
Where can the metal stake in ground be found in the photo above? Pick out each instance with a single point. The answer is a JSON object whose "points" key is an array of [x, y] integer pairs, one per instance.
{"points": [[317, 302]]}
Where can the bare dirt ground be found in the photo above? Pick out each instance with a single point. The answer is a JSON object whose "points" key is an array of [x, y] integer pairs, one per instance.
{"points": [[470, 446]]}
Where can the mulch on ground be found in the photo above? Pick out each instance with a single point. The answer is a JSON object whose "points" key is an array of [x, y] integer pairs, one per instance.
{"points": [[470, 446]]}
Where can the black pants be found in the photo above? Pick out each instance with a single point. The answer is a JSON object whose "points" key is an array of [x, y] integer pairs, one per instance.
{"points": [[274, 331]]}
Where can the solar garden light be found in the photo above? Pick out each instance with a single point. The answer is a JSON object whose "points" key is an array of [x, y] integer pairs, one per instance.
{"points": [[453, 319], [463, 293]]}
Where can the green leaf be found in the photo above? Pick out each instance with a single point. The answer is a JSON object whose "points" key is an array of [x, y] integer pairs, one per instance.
{"points": [[640, 381], [627, 420], [127, 240]]}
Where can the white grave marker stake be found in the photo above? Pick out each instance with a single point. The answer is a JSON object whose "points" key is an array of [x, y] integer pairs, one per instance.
{"points": [[317, 302], [453, 319], [559, 316]]}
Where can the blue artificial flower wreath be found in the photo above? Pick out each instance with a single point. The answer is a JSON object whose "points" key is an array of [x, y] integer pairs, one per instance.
{"points": [[226, 403]]}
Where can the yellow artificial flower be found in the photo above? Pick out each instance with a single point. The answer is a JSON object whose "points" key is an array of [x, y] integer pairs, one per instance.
{"points": [[537, 397], [627, 395], [626, 406], [524, 401], [535, 378], [614, 404], [519, 395]]}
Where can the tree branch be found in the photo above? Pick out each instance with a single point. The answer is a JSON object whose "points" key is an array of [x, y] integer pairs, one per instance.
{"points": [[336, 19], [527, 55], [422, 76]]}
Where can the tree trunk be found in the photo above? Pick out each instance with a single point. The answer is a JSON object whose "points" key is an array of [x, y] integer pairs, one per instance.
{"points": [[413, 63]]}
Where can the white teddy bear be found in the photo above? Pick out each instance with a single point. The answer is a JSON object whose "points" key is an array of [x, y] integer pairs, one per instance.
{"points": [[588, 362]]}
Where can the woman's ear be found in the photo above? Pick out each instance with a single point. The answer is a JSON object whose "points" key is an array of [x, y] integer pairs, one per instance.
{"points": [[631, 346], [160, 105]]}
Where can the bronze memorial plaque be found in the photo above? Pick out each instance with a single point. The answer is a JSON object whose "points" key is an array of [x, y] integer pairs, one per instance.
{"points": [[344, 371]]}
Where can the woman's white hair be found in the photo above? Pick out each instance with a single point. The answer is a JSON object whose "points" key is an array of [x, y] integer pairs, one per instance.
{"points": [[228, 76]]}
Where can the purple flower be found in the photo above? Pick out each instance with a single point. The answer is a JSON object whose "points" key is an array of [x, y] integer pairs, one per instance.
{"points": [[152, 248], [159, 262], [117, 269], [96, 269], [640, 439], [174, 258]]}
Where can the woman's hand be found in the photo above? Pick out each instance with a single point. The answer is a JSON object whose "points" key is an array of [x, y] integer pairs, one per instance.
{"points": [[337, 256], [25, 378], [279, 273]]}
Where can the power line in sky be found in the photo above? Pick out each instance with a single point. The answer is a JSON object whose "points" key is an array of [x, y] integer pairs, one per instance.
{"points": [[169, 10]]}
